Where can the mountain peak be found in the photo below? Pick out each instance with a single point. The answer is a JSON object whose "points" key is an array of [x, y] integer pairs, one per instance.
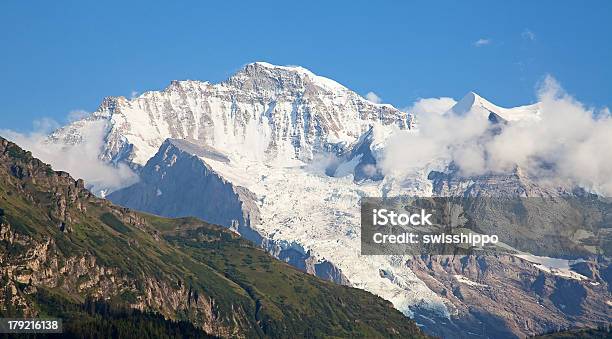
{"points": [[472, 101], [264, 109], [278, 72], [272, 66]]}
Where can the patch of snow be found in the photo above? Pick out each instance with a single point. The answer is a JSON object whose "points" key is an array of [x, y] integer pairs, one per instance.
{"points": [[467, 281], [558, 267]]}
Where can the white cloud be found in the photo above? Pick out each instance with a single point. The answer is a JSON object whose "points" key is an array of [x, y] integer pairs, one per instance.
{"points": [[569, 139], [431, 105], [528, 35], [134, 94], [439, 136], [45, 125], [373, 97], [564, 146], [481, 42], [80, 160]]}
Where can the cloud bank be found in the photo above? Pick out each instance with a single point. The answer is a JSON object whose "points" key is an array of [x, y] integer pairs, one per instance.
{"points": [[569, 144], [80, 160], [426, 106]]}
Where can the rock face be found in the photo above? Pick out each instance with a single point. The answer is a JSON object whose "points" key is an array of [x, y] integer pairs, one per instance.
{"points": [[43, 266], [534, 217], [504, 296], [286, 111], [358, 159], [516, 184], [41, 259], [179, 169], [521, 295]]}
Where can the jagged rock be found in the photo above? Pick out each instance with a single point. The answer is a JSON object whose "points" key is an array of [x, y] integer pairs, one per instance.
{"points": [[296, 111]]}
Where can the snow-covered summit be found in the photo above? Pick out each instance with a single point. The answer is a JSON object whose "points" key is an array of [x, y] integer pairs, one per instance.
{"points": [[472, 101], [261, 111], [301, 71]]}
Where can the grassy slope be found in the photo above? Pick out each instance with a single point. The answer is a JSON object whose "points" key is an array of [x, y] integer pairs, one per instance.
{"points": [[278, 300]]}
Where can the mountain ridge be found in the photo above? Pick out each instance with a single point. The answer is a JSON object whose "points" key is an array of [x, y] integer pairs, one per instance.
{"points": [[472, 101], [292, 110]]}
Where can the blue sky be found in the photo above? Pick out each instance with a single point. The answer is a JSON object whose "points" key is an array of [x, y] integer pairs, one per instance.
{"points": [[61, 56]]}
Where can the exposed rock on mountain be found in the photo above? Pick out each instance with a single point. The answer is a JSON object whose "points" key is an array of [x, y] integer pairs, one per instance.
{"points": [[177, 180], [359, 159], [504, 296]]}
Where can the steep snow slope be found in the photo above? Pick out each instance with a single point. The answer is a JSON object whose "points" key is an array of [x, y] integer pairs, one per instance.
{"points": [[261, 111], [474, 102]]}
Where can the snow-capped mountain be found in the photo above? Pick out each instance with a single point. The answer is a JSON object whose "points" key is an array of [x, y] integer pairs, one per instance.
{"points": [[262, 111], [284, 156], [473, 102]]}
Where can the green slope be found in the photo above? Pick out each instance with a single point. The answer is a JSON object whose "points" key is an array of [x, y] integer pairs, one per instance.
{"points": [[57, 239]]}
